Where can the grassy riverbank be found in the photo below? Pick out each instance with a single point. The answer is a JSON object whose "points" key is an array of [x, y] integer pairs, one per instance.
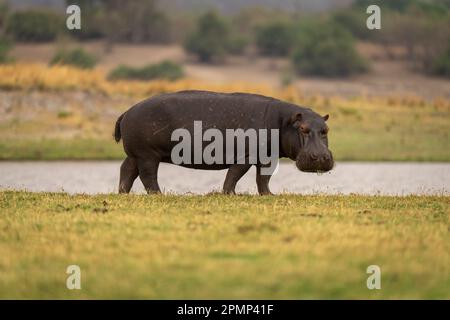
{"points": [[75, 127], [216, 246], [62, 113]]}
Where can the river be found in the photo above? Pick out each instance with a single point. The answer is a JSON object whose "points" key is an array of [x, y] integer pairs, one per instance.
{"points": [[92, 177]]}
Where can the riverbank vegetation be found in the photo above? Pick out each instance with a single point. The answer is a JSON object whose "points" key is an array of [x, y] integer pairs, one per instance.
{"points": [[61, 112]]}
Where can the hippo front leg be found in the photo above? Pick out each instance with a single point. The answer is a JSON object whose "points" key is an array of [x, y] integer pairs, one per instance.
{"points": [[235, 172], [262, 181]]}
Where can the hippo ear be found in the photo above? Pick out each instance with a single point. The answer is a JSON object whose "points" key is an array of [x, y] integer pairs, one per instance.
{"points": [[325, 117], [295, 119]]}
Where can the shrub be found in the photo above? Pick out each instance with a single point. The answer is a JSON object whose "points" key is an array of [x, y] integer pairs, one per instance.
{"points": [[76, 57], [327, 49], [34, 25], [275, 38], [210, 40], [353, 21], [165, 70], [5, 46], [441, 65]]}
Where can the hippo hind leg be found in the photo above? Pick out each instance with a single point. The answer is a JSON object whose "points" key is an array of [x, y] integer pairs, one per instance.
{"points": [[148, 173], [128, 173], [233, 175]]}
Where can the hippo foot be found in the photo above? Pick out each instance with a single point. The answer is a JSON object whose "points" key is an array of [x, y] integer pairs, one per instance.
{"points": [[229, 192]]}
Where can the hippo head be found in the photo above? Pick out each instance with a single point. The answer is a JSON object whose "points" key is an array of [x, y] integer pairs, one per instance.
{"points": [[312, 132]]}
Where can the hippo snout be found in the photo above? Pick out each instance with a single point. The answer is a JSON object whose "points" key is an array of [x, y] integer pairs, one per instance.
{"points": [[315, 161], [321, 158]]}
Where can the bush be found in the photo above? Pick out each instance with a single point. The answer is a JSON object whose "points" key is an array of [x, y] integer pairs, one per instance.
{"points": [[353, 21], [137, 21], [34, 25], [165, 70], [327, 50], [5, 46], [76, 57], [441, 66], [210, 40], [275, 38]]}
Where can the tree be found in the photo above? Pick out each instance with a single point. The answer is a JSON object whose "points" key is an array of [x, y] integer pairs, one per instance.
{"points": [[327, 50], [134, 21], [275, 38], [34, 25], [210, 40]]}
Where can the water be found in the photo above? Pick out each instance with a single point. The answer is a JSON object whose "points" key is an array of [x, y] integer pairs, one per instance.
{"points": [[347, 177]]}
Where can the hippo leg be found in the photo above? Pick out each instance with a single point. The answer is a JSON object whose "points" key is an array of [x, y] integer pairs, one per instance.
{"points": [[233, 175], [148, 173], [262, 181], [128, 173]]}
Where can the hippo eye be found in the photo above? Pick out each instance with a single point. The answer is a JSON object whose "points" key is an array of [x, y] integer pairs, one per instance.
{"points": [[324, 131]]}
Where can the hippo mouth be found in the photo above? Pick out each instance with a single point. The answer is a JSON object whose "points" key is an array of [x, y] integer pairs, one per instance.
{"points": [[306, 164]]}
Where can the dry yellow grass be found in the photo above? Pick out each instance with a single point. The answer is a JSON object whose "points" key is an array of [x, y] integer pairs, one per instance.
{"points": [[58, 78], [64, 78]]}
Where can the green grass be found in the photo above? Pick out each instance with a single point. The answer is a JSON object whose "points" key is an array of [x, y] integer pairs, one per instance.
{"points": [[359, 130], [137, 246], [346, 146], [61, 149]]}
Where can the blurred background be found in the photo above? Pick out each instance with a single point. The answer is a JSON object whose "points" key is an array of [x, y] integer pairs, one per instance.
{"points": [[387, 90], [278, 43]]}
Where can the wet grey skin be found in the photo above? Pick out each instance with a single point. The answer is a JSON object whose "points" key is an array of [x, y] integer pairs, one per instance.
{"points": [[146, 130]]}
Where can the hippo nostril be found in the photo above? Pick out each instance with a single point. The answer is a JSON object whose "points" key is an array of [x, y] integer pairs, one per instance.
{"points": [[326, 158], [314, 156]]}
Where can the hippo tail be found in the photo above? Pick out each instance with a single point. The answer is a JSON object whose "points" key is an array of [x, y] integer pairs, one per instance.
{"points": [[117, 133]]}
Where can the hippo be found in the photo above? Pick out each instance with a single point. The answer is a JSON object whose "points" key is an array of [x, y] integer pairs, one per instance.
{"points": [[147, 131]]}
